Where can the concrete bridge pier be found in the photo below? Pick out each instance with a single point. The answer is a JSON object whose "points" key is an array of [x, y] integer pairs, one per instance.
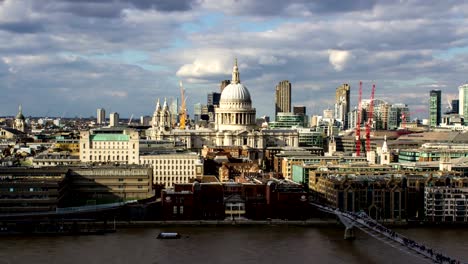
{"points": [[349, 233]]}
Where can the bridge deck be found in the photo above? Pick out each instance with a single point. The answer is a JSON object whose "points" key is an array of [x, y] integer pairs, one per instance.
{"points": [[388, 236]]}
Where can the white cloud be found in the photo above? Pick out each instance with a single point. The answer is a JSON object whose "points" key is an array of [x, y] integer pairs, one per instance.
{"points": [[339, 58], [204, 68]]}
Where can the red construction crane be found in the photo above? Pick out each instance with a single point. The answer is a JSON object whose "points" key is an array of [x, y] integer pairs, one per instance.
{"points": [[358, 123], [369, 119]]}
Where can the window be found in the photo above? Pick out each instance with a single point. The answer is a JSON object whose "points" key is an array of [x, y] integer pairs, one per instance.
{"points": [[174, 209], [121, 180]]}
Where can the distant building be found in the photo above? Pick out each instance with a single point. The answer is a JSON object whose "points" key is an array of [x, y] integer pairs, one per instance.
{"points": [[101, 116], [110, 145], [455, 106], [435, 108], [283, 97], [197, 112], [172, 168], [19, 123], [224, 84], [145, 120], [288, 120], [213, 99], [328, 114], [28, 190], [299, 110], [342, 104], [463, 101], [114, 119]]}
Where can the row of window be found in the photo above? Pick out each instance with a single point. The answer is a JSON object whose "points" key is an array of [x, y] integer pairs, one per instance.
{"points": [[172, 161], [107, 152]]}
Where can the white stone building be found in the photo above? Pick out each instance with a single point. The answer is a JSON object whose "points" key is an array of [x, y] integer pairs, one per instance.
{"points": [[172, 168], [110, 145]]}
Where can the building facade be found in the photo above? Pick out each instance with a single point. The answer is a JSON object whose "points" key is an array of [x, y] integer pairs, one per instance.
{"points": [[342, 104], [463, 101], [114, 119], [101, 116], [235, 110], [173, 168], [283, 97], [435, 108], [110, 145]]}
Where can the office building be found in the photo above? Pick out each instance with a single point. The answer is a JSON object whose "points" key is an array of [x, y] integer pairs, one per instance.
{"points": [[342, 104], [213, 99], [463, 101], [299, 110], [224, 84], [114, 119], [116, 145], [435, 108], [283, 97], [173, 168], [101, 116]]}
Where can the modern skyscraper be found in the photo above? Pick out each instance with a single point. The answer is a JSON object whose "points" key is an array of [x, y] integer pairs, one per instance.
{"points": [[435, 107], [342, 104], [283, 97], [213, 98], [463, 101], [197, 111], [455, 106], [114, 119], [101, 116]]}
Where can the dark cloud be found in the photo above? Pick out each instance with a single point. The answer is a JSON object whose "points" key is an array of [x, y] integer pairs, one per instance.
{"points": [[22, 27], [105, 8]]}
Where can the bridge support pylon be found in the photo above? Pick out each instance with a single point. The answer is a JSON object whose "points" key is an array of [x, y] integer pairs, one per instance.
{"points": [[349, 233]]}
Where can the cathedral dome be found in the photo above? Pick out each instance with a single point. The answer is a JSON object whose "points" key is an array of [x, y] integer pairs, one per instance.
{"points": [[235, 95], [20, 115], [235, 92]]}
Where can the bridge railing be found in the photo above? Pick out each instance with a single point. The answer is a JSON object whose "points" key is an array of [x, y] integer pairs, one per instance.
{"points": [[364, 220]]}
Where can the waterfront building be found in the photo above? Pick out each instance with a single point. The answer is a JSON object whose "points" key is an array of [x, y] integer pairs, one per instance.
{"points": [[110, 183], [435, 108], [101, 116], [342, 104], [28, 190], [119, 145], [283, 97], [447, 203], [173, 168]]}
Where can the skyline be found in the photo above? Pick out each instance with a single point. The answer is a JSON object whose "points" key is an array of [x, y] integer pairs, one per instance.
{"points": [[75, 57]]}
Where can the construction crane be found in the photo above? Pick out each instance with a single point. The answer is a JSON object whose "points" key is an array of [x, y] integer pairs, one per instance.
{"points": [[358, 122], [130, 120], [369, 119], [183, 108]]}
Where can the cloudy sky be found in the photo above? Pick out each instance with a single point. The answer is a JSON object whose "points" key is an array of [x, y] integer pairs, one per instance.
{"points": [[69, 57]]}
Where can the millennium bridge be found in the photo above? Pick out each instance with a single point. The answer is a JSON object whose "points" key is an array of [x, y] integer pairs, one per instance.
{"points": [[371, 227]]}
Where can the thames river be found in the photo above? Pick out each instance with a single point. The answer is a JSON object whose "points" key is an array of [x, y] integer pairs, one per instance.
{"points": [[264, 244]]}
